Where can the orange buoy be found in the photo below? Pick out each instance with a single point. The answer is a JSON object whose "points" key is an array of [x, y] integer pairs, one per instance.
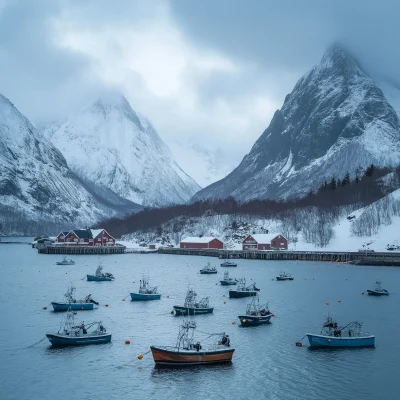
{"points": [[106, 305], [327, 303], [362, 292], [299, 344], [339, 301], [44, 308], [127, 342], [233, 322], [140, 356]]}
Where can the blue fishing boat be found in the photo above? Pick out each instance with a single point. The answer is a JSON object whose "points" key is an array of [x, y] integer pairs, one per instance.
{"points": [[332, 335], [243, 291], [377, 290], [146, 292], [70, 303], [99, 276], [65, 261], [71, 334], [227, 280], [208, 269], [256, 314], [192, 307]]}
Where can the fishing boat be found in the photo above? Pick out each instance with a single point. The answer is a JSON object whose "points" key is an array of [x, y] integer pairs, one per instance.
{"points": [[71, 334], [284, 276], [377, 290], [66, 261], [256, 314], [146, 292], [188, 351], [192, 307], [99, 276], [208, 269], [228, 263], [242, 290], [71, 303], [332, 335], [227, 280]]}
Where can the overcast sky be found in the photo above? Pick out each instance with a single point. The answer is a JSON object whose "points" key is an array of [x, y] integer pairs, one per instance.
{"points": [[215, 70]]}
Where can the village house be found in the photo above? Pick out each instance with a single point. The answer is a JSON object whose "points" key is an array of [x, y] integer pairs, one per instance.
{"points": [[205, 242], [85, 237], [270, 241]]}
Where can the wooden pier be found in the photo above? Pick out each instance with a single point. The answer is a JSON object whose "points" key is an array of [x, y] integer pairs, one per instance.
{"points": [[79, 250], [357, 258]]}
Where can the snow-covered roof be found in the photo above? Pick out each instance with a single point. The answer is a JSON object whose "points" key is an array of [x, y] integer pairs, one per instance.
{"points": [[194, 239], [264, 237], [96, 232]]}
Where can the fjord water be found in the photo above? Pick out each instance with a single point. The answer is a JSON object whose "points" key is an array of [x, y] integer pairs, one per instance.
{"points": [[266, 363]]}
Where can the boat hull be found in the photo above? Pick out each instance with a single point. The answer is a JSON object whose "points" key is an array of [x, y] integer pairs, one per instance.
{"points": [[72, 306], [228, 265], [332, 341], [173, 358], [279, 278], [208, 272], [234, 294], [98, 278], [228, 283], [64, 340], [375, 293], [179, 310], [65, 263], [251, 320], [145, 297]]}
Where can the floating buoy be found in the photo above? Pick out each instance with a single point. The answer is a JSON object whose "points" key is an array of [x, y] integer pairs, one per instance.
{"points": [[106, 305], [123, 299], [140, 356], [44, 308], [172, 311], [224, 302], [223, 295], [233, 322], [127, 342], [299, 344], [362, 292], [327, 303], [167, 297], [305, 279], [339, 301], [313, 278], [346, 279]]}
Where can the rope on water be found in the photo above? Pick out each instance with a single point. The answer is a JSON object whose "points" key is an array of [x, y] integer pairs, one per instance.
{"points": [[34, 344]]}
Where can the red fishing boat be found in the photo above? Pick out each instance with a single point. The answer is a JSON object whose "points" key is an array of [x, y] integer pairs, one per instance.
{"points": [[189, 352]]}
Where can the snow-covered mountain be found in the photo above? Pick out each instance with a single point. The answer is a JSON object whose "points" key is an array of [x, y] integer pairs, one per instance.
{"points": [[204, 165], [335, 120], [112, 145], [35, 181]]}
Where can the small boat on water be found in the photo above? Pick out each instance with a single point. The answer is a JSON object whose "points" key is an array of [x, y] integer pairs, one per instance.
{"points": [[228, 263], [377, 290], [284, 276], [227, 280], [99, 276], [208, 269], [71, 334], [242, 290], [146, 292], [189, 352], [332, 335], [65, 261], [192, 307], [70, 303], [256, 314]]}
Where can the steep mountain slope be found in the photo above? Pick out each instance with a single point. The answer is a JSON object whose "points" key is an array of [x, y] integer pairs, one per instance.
{"points": [[335, 120], [108, 143], [205, 165], [35, 179]]}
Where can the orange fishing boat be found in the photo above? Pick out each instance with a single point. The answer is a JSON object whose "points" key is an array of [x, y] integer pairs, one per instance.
{"points": [[189, 352]]}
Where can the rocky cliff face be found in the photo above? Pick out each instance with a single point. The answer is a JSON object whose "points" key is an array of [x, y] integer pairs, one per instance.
{"points": [[335, 120], [110, 144]]}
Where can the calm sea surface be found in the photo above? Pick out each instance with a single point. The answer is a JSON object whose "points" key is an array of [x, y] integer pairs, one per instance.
{"points": [[266, 363]]}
